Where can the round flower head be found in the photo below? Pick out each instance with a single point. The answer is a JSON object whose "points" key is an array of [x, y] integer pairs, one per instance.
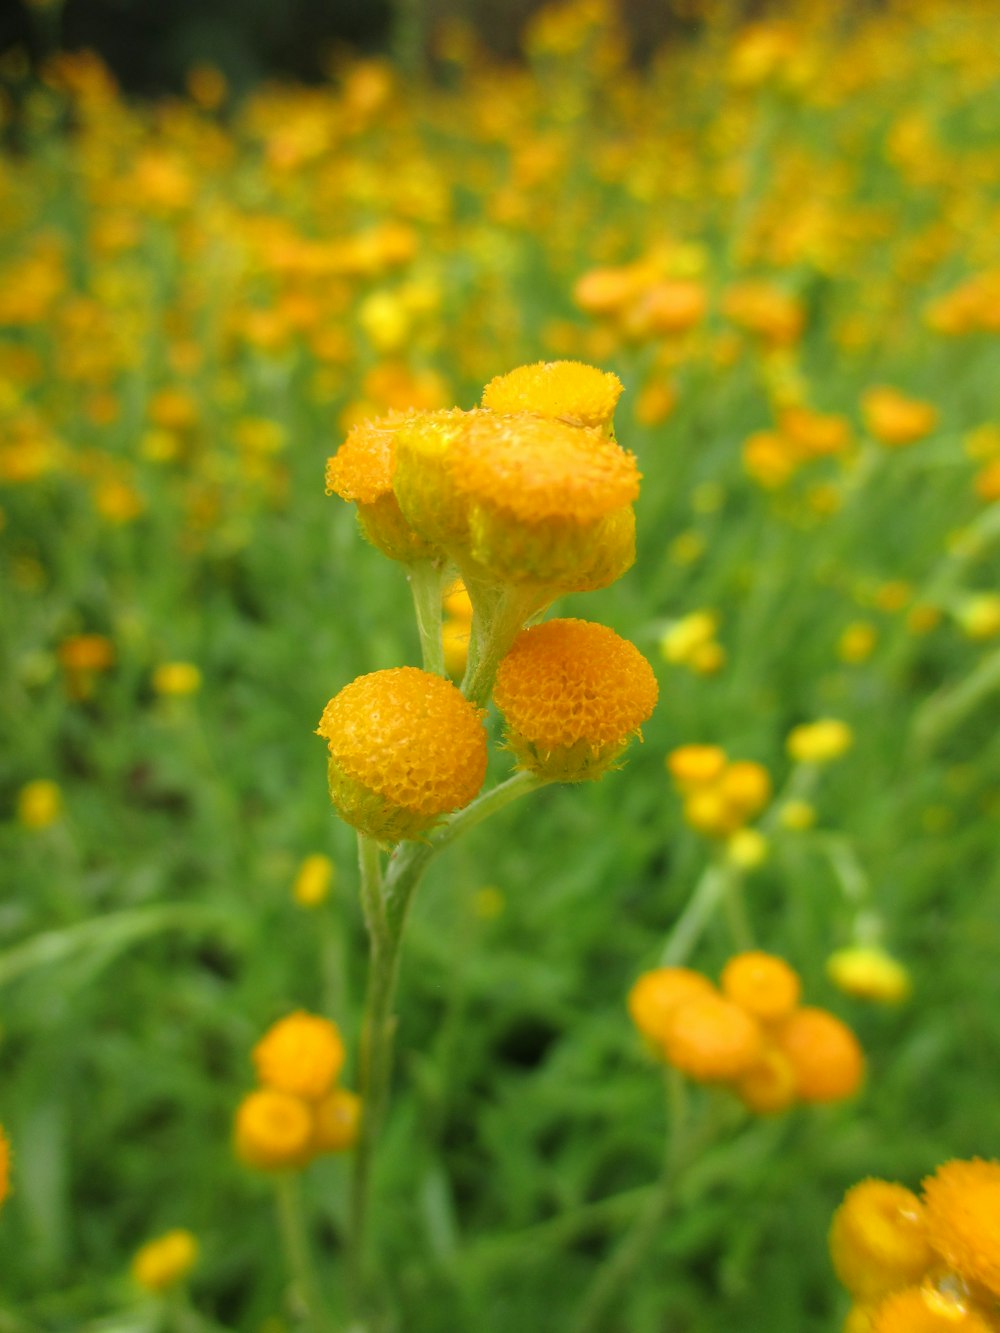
{"points": [[336, 1120], [769, 1086], [878, 1239], [273, 1130], [695, 765], [423, 480], [925, 1309], [711, 1039], [896, 420], [745, 786], [656, 995], [405, 748], [565, 390], [819, 742], [301, 1054], [963, 1219], [572, 694], [762, 984], [162, 1263], [825, 1054], [547, 503], [869, 973], [362, 470]]}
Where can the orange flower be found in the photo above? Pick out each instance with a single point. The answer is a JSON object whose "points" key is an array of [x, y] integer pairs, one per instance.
{"points": [[336, 1120], [769, 1086], [301, 1054], [405, 747], [825, 1054], [655, 995], [924, 1309], [572, 694], [762, 984], [963, 1219], [878, 1239], [711, 1039], [695, 765], [896, 420]]}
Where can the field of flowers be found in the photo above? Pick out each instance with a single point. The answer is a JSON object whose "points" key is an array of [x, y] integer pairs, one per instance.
{"points": [[655, 1016]]}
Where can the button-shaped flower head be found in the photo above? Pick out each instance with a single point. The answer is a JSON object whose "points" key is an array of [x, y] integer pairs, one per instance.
{"points": [[301, 1054], [567, 391], [273, 1130], [161, 1263], [362, 470], [572, 694], [878, 1239], [828, 1061], [963, 1217], [424, 479], [762, 984], [405, 748], [547, 503]]}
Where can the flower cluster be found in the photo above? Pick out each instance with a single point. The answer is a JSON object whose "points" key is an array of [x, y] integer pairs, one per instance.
{"points": [[750, 1033], [298, 1112], [526, 497], [927, 1264], [720, 795]]}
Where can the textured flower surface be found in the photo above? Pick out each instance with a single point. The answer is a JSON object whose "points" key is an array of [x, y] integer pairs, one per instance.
{"points": [[538, 470], [572, 693], [405, 747], [363, 466], [924, 1309], [963, 1215], [566, 390], [301, 1054]]}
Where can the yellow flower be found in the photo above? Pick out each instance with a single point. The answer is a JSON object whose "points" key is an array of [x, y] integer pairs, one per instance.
{"points": [[878, 1239], [569, 391], [869, 973], [572, 694], [696, 765], [746, 849], [762, 984], [962, 1200], [405, 748], [313, 881], [925, 1309], [165, 1261], [819, 742], [336, 1121], [273, 1130], [301, 1054], [177, 678], [745, 786], [682, 638], [423, 480], [455, 643], [979, 615], [857, 642], [797, 815], [39, 804]]}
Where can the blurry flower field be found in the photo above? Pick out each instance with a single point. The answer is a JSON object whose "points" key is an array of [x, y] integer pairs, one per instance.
{"points": [[783, 239]]}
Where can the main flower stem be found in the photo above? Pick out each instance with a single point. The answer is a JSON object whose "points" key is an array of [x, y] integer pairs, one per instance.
{"points": [[708, 895], [612, 1276], [426, 586], [386, 901], [295, 1240]]}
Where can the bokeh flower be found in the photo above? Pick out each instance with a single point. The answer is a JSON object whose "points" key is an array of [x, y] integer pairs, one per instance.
{"points": [[161, 1263]]}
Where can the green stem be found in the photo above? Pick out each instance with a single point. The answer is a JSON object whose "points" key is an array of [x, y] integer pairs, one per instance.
{"points": [[945, 709], [386, 901], [497, 616], [291, 1220], [426, 579], [701, 907], [734, 906], [613, 1275]]}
